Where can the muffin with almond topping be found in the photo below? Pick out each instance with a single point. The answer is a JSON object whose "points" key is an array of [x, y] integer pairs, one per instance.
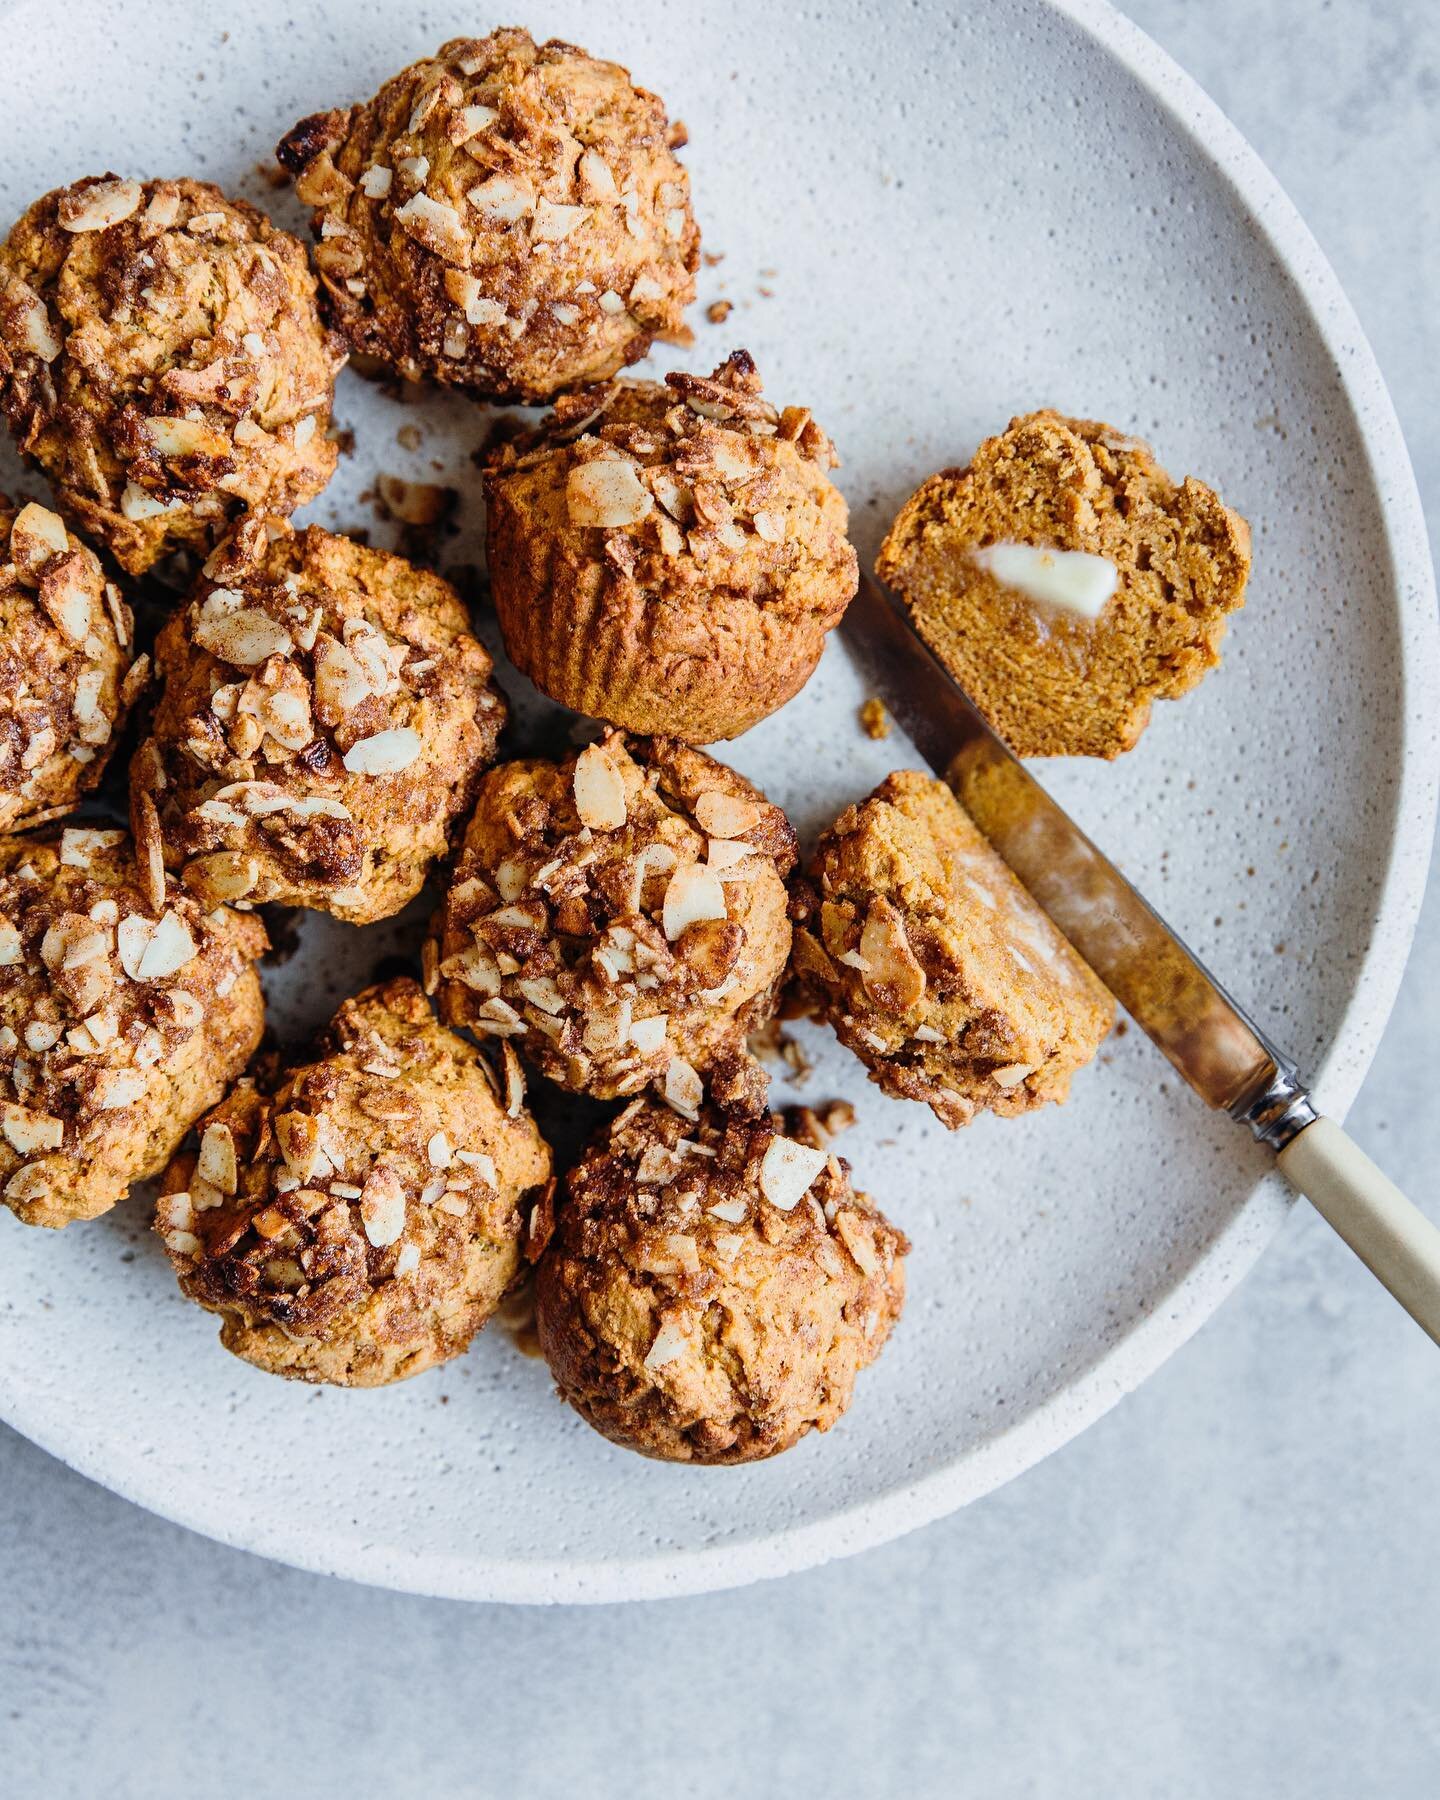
{"points": [[324, 720], [619, 916], [709, 1289], [360, 1220], [503, 217], [934, 964], [669, 557], [126, 1009], [66, 676], [162, 359]]}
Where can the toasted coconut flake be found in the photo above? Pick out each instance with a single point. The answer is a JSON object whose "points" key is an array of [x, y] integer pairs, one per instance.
{"points": [[607, 493], [787, 1171], [695, 892], [386, 753], [599, 789]]}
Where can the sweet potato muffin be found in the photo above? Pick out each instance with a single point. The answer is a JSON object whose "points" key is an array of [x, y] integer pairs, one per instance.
{"points": [[1067, 582], [501, 217], [360, 1222], [669, 557], [126, 1009], [66, 677], [324, 721], [711, 1289], [621, 916], [163, 361], [935, 966]]}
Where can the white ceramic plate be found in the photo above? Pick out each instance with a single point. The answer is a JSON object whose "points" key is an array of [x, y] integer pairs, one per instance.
{"points": [[931, 218]]}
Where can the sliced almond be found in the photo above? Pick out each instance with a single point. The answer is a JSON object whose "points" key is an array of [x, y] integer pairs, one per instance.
{"points": [[670, 1342], [554, 223], [243, 635], [859, 1240], [787, 1171], [684, 1090], [1012, 1074], [216, 1162], [97, 207], [382, 1206], [27, 1131], [892, 974], [694, 893], [607, 493], [36, 536], [186, 437], [503, 198], [386, 753], [599, 789], [435, 225], [726, 815]]}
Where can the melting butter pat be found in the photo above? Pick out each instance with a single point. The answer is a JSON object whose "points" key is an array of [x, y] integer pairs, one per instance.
{"points": [[1073, 580]]}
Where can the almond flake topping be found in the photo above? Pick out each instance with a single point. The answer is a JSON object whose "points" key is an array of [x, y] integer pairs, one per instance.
{"points": [[892, 970], [382, 1206], [28, 1131], [437, 226], [787, 1171], [503, 198], [216, 1163], [607, 493], [387, 753], [684, 1089], [599, 790], [670, 1342], [99, 206], [725, 815], [694, 893]]}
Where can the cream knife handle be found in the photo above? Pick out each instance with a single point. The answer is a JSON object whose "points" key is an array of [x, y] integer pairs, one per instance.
{"points": [[1389, 1233]]}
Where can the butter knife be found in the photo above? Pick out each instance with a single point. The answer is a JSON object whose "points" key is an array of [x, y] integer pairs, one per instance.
{"points": [[1213, 1044]]}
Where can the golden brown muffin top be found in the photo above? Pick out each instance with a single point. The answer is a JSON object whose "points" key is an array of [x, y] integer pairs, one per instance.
{"points": [[377, 1182], [622, 914], [502, 216], [162, 358], [934, 963], [325, 717], [712, 1286], [1051, 683]]}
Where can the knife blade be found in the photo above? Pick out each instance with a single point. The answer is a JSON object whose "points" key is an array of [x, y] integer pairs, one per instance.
{"points": [[1209, 1039]]}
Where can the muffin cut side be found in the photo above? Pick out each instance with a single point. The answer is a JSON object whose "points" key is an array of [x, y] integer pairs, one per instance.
{"points": [[1052, 681]]}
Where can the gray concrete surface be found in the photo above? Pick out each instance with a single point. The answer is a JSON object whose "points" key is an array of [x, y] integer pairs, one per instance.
{"points": [[1228, 1588]]}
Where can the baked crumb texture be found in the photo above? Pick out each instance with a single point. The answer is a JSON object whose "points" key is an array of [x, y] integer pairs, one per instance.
{"points": [[163, 361], [935, 966], [712, 1287], [324, 721], [669, 557], [360, 1221], [620, 916], [503, 217], [1051, 683], [126, 1009], [66, 675]]}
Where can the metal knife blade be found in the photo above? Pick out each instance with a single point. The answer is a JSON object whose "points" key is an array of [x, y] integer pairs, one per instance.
{"points": [[1211, 1041]]}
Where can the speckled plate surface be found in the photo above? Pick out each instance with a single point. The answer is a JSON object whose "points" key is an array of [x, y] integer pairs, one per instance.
{"points": [[932, 218]]}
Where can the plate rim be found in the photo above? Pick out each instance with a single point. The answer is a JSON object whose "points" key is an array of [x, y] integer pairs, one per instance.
{"points": [[1196, 1295]]}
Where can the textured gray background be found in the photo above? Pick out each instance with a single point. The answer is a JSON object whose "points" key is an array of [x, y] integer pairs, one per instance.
{"points": [[1229, 1587]]}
